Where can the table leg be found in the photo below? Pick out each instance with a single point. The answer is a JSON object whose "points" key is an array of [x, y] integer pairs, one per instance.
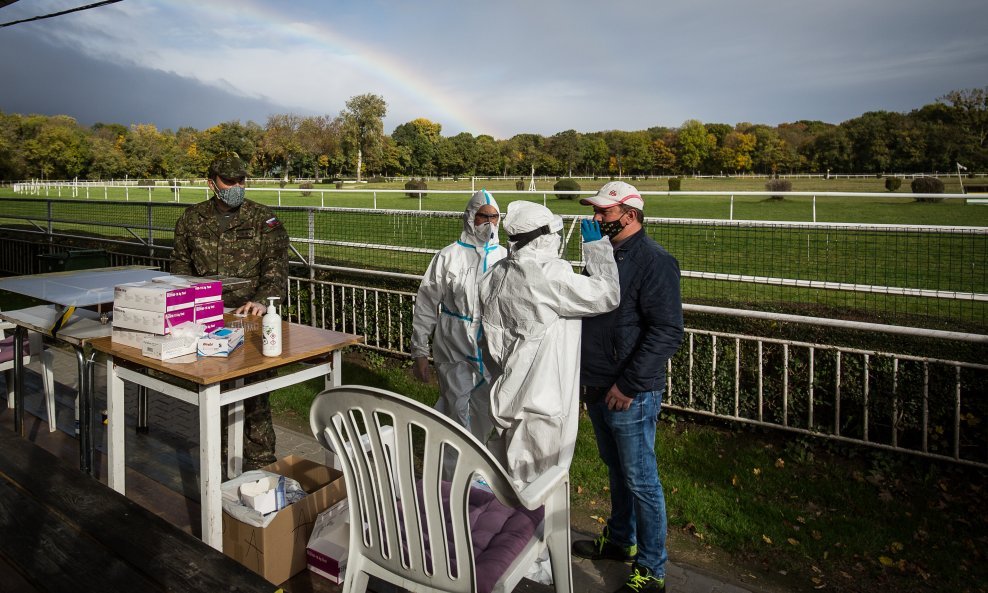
{"points": [[117, 429], [86, 406], [142, 409], [211, 497], [235, 438], [19, 334]]}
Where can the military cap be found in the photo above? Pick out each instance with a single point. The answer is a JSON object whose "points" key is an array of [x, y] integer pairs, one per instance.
{"points": [[228, 166]]}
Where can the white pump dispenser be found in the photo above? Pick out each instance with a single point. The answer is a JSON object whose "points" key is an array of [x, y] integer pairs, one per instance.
{"points": [[271, 330]]}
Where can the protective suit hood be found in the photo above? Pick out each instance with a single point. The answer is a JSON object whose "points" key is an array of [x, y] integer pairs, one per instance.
{"points": [[486, 234], [528, 223]]}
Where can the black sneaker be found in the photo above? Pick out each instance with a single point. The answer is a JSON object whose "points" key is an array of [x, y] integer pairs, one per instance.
{"points": [[642, 581], [604, 549]]}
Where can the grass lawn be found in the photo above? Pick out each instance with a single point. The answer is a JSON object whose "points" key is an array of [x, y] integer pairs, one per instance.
{"points": [[882, 208], [777, 511]]}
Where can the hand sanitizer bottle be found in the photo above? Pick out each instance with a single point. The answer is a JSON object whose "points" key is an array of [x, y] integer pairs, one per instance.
{"points": [[271, 330]]}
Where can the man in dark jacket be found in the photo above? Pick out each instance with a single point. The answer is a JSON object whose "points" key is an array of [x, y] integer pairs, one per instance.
{"points": [[623, 378], [230, 236]]}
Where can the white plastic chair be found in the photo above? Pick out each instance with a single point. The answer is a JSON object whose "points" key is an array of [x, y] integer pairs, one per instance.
{"points": [[414, 535], [36, 348]]}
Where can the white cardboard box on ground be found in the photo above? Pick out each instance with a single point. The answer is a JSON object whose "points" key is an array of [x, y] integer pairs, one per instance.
{"points": [[326, 553]]}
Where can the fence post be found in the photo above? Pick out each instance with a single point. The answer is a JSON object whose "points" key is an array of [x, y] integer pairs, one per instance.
{"points": [[732, 207], [814, 208]]}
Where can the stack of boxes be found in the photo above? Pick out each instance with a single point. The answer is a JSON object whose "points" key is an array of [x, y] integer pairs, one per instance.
{"points": [[142, 310]]}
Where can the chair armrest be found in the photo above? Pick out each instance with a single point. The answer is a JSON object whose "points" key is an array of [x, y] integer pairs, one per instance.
{"points": [[536, 493]]}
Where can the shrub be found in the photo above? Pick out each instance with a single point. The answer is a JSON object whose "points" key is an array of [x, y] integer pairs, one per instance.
{"points": [[566, 184], [338, 184], [892, 183], [304, 187], [927, 185], [147, 182], [282, 183], [412, 184], [520, 185], [675, 183], [778, 185]]}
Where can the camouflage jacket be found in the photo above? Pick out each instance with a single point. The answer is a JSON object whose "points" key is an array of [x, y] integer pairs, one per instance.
{"points": [[254, 247]]}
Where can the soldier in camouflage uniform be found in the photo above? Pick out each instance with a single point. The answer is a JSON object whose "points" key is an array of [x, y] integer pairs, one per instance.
{"points": [[231, 236]]}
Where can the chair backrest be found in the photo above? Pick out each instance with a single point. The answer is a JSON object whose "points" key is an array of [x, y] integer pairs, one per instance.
{"points": [[398, 485]]}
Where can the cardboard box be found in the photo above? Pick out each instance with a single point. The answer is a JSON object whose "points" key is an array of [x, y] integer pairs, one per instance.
{"points": [[277, 552], [153, 322], [153, 296], [204, 289], [128, 337], [326, 553], [221, 342], [167, 347], [208, 312]]}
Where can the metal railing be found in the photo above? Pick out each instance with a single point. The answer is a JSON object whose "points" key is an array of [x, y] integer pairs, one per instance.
{"points": [[930, 406], [930, 276]]}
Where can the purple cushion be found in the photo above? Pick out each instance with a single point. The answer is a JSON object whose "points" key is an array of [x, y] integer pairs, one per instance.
{"points": [[499, 534], [7, 349]]}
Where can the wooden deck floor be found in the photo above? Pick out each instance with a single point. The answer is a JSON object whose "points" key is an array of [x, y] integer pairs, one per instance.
{"points": [[148, 491]]}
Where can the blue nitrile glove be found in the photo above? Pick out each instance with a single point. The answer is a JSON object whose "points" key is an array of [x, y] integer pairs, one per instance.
{"points": [[590, 229]]}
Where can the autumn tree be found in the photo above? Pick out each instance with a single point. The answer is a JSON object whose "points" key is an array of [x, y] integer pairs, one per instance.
{"points": [[694, 144], [363, 126], [421, 138]]}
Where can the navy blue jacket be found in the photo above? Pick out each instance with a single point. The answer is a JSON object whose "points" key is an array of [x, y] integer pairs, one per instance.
{"points": [[630, 345]]}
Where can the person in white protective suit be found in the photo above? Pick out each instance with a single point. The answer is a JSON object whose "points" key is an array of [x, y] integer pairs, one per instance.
{"points": [[533, 303], [447, 310]]}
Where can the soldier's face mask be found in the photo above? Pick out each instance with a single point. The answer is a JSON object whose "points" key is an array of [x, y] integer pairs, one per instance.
{"points": [[231, 196]]}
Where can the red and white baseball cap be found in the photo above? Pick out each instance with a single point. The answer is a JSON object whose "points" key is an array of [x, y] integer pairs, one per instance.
{"points": [[614, 193]]}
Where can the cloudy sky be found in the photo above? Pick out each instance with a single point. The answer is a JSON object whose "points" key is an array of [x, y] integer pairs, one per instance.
{"points": [[499, 67]]}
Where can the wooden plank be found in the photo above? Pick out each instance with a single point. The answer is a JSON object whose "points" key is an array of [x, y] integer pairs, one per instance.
{"points": [[53, 555], [91, 516], [13, 582]]}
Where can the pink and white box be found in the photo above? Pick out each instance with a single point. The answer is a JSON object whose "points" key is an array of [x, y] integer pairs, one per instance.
{"points": [[153, 296], [209, 314], [155, 322], [204, 289]]}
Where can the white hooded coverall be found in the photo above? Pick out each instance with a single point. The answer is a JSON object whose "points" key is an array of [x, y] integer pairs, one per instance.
{"points": [[447, 309], [532, 303]]}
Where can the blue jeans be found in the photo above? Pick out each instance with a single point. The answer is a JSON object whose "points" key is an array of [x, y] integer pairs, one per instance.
{"points": [[626, 442]]}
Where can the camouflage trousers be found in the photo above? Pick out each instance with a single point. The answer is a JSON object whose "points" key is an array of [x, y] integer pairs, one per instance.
{"points": [[259, 438]]}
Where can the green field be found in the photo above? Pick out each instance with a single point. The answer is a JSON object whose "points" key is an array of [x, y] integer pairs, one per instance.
{"points": [[882, 208], [931, 260]]}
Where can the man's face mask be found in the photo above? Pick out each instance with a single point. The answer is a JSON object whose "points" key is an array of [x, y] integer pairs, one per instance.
{"points": [[611, 228], [231, 196], [485, 232]]}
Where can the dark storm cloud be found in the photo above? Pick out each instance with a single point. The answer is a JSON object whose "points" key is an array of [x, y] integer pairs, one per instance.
{"points": [[36, 77]]}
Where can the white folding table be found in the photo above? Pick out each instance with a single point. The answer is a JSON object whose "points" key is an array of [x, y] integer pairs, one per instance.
{"points": [[79, 289]]}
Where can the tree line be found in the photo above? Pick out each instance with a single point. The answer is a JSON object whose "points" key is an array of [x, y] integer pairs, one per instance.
{"points": [[953, 129]]}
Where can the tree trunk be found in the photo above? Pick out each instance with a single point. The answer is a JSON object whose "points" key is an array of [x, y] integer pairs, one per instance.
{"points": [[360, 160]]}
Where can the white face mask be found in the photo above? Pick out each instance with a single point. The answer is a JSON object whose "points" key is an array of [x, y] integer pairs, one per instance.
{"points": [[484, 232]]}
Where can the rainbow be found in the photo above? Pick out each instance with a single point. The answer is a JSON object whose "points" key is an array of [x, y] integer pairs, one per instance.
{"points": [[384, 65]]}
